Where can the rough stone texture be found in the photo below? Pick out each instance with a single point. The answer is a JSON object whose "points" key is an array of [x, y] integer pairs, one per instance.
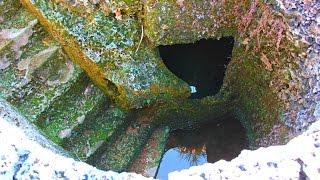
{"points": [[71, 110], [148, 161], [108, 7], [264, 54], [22, 158], [113, 52], [33, 72], [61, 101], [7, 112], [104, 126], [177, 22], [304, 24], [118, 155]]}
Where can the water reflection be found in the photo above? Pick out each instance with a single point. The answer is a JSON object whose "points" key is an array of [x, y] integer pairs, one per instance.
{"points": [[223, 139], [174, 160], [193, 155]]}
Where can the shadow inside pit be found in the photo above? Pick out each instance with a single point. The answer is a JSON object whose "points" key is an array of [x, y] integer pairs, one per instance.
{"points": [[201, 64], [223, 139]]}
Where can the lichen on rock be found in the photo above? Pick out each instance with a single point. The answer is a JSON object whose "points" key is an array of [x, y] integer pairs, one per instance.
{"points": [[113, 52]]}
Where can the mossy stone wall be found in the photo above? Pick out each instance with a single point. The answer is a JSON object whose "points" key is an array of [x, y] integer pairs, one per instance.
{"points": [[116, 43]]}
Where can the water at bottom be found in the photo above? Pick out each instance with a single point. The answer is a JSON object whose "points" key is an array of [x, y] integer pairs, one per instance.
{"points": [[222, 139]]}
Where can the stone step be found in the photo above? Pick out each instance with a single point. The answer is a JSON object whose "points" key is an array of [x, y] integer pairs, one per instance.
{"points": [[44, 77], [150, 157], [119, 155], [103, 126], [53, 93], [70, 110], [112, 52], [11, 43], [15, 25], [32, 66]]}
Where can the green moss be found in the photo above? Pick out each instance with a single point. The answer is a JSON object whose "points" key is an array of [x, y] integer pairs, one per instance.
{"points": [[13, 52], [70, 110], [188, 113], [129, 70], [110, 51], [34, 97], [172, 22], [118, 155], [37, 43], [257, 103], [103, 125], [261, 58], [150, 156]]}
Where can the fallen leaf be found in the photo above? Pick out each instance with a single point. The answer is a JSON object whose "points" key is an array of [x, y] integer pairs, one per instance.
{"points": [[46, 41], [180, 2], [193, 151], [118, 14], [245, 41]]}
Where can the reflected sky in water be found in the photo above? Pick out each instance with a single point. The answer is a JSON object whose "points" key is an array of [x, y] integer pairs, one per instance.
{"points": [[222, 139], [174, 160]]}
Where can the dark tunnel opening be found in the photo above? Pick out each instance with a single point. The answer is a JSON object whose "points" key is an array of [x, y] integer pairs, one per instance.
{"points": [[201, 64]]}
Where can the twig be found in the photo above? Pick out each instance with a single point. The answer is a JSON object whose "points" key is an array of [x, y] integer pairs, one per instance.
{"points": [[141, 38], [78, 157]]}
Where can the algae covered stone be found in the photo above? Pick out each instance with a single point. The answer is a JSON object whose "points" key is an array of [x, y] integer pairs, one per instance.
{"points": [[114, 53]]}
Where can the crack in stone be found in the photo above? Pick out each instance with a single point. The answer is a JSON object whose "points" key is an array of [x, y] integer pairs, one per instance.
{"points": [[23, 156], [302, 174]]}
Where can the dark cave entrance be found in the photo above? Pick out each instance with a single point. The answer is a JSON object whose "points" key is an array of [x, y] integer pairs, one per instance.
{"points": [[201, 64]]}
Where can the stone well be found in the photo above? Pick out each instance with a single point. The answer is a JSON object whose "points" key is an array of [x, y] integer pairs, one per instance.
{"points": [[88, 79]]}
